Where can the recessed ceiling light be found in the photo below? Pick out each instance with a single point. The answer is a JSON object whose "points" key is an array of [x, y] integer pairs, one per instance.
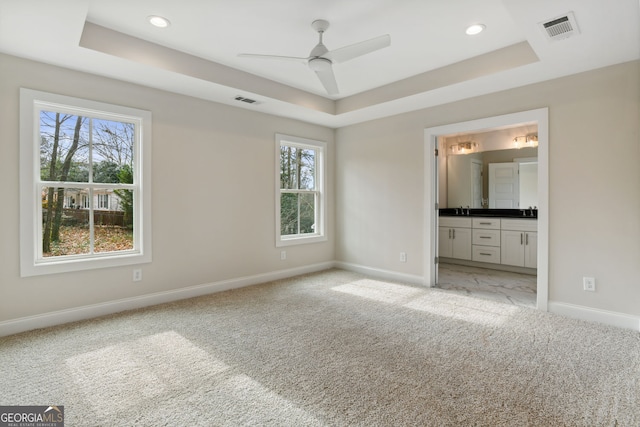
{"points": [[158, 21], [474, 29]]}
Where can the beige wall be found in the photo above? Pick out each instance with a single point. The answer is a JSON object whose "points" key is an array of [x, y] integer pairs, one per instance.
{"points": [[213, 194], [213, 222], [594, 195]]}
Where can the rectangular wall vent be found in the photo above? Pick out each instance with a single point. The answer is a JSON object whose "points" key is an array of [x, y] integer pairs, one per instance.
{"points": [[561, 27], [247, 100]]}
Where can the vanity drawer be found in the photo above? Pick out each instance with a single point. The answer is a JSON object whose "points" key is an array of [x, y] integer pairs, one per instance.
{"points": [[487, 223], [520, 224], [448, 221], [486, 237], [486, 254]]}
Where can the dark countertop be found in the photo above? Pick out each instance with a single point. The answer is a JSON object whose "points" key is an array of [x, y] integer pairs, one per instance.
{"points": [[493, 213]]}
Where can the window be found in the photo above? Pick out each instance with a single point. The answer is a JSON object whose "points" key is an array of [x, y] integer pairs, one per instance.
{"points": [[103, 201], [300, 200], [84, 184]]}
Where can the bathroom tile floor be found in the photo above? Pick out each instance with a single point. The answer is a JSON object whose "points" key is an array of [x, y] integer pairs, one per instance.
{"points": [[502, 286]]}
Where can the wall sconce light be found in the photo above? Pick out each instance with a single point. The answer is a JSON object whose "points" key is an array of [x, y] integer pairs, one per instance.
{"points": [[530, 140], [463, 147]]}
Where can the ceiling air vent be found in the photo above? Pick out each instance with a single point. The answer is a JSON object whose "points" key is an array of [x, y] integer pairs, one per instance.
{"points": [[243, 99], [561, 27]]}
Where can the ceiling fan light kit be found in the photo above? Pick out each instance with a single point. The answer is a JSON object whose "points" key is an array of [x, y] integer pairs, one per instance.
{"points": [[321, 59]]}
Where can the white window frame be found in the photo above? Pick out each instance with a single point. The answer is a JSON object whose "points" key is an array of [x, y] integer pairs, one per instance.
{"points": [[320, 181], [32, 263]]}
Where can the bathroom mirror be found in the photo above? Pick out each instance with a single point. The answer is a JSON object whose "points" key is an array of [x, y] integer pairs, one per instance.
{"points": [[468, 183]]}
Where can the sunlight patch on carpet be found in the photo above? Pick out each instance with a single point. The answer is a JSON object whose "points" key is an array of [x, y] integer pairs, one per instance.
{"points": [[126, 374], [473, 310], [379, 291], [481, 312]]}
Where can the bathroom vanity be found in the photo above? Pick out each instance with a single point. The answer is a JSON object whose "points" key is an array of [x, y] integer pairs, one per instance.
{"points": [[504, 239]]}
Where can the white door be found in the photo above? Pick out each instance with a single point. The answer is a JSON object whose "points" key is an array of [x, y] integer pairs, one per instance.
{"points": [[476, 184], [504, 186]]}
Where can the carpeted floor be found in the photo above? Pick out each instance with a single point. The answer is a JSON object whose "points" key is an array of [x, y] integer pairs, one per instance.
{"points": [[329, 349]]}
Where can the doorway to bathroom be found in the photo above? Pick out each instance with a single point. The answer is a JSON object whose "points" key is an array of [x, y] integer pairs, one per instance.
{"points": [[443, 140]]}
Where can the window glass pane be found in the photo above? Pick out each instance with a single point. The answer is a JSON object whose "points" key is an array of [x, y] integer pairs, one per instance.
{"points": [[113, 229], [297, 168], [306, 170], [288, 214], [307, 213], [298, 213], [113, 149], [125, 203], [288, 176], [65, 224], [64, 149]]}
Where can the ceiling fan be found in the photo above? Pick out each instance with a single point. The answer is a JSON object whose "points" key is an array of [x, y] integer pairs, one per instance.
{"points": [[321, 59]]}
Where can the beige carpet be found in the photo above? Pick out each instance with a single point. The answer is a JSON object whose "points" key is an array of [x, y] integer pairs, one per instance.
{"points": [[333, 348]]}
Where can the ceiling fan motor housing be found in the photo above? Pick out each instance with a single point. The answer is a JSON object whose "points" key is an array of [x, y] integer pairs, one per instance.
{"points": [[319, 64]]}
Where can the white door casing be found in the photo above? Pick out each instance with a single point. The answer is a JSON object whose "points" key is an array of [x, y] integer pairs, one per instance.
{"points": [[539, 117]]}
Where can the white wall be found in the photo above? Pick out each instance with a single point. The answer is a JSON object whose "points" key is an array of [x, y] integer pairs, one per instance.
{"points": [[594, 122], [213, 194]]}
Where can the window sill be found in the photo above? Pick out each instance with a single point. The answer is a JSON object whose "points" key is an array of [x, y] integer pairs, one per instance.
{"points": [[292, 241], [75, 264]]}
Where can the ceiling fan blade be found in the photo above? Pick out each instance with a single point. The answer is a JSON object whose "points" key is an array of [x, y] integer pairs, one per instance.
{"points": [[328, 80], [358, 49], [283, 58]]}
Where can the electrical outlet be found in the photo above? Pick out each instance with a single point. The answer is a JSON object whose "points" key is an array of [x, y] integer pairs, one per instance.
{"points": [[589, 284], [137, 275], [283, 255], [403, 257]]}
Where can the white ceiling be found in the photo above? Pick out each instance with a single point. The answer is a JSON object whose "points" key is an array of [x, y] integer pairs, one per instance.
{"points": [[197, 54]]}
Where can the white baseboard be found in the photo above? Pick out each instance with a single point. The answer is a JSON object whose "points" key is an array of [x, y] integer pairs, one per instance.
{"points": [[53, 318], [44, 320], [383, 274], [612, 318]]}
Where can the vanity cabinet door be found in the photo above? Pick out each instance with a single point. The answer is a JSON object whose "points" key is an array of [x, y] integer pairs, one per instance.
{"points": [[461, 243], [531, 250], [454, 242], [512, 248], [519, 248], [445, 246]]}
